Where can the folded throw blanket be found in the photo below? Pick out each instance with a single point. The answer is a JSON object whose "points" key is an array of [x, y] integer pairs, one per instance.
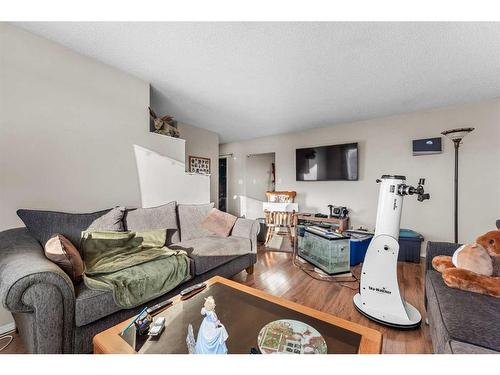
{"points": [[135, 266]]}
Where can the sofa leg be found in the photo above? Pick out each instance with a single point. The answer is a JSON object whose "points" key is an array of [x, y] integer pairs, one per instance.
{"points": [[249, 270]]}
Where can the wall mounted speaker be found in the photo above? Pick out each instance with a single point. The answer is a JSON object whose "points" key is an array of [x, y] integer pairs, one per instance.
{"points": [[427, 146]]}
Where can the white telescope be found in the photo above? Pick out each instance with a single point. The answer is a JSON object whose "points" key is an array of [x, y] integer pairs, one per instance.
{"points": [[379, 297]]}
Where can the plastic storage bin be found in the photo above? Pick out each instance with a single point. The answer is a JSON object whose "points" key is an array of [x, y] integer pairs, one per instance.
{"points": [[359, 245], [410, 243]]}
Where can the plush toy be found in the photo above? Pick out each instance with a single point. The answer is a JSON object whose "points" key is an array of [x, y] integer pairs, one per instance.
{"points": [[473, 267]]}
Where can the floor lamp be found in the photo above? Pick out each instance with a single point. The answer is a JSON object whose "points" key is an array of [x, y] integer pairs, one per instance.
{"points": [[456, 135]]}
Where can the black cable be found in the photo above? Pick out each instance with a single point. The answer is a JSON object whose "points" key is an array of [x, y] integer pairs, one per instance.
{"points": [[317, 276]]}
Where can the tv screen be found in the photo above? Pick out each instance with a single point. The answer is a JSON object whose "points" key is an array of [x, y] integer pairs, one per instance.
{"points": [[327, 163]]}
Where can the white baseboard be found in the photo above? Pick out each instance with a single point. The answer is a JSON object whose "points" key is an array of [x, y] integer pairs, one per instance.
{"points": [[9, 327]]}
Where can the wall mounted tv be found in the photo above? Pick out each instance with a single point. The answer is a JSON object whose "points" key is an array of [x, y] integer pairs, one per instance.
{"points": [[327, 163]]}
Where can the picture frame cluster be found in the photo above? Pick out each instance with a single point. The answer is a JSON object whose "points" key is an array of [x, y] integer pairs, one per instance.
{"points": [[198, 164]]}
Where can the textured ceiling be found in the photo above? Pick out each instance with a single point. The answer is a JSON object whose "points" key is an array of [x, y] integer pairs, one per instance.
{"points": [[245, 80]]}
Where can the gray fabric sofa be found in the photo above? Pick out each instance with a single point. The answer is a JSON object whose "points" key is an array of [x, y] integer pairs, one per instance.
{"points": [[53, 315], [460, 322]]}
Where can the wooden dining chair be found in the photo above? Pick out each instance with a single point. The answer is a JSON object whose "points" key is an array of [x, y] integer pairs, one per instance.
{"points": [[279, 219], [281, 196]]}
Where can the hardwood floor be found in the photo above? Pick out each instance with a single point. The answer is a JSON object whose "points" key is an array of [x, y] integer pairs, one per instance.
{"points": [[15, 347], [274, 273]]}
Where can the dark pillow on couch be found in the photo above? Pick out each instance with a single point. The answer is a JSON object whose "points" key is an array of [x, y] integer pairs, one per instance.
{"points": [[44, 224], [143, 219], [63, 253]]}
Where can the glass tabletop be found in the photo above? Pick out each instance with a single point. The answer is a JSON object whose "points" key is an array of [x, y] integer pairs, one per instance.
{"points": [[243, 315]]}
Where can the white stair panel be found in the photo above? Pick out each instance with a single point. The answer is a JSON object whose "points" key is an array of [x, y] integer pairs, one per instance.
{"points": [[163, 179]]}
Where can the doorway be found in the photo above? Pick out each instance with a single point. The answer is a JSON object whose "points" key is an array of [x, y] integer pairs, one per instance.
{"points": [[259, 179], [223, 184]]}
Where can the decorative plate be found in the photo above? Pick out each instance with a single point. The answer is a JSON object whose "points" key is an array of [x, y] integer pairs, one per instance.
{"points": [[290, 337]]}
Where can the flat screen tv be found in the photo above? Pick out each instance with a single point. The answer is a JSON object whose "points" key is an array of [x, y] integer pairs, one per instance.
{"points": [[327, 163]]}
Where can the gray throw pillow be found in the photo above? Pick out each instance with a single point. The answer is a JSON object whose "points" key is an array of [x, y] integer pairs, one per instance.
{"points": [[113, 221], [191, 217], [44, 224], [142, 219]]}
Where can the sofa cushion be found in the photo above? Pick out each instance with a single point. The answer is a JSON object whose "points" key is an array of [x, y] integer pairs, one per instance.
{"points": [[190, 218], [63, 253], [143, 219], [92, 305], [464, 316], [459, 347], [110, 221], [218, 222], [211, 252], [44, 224]]}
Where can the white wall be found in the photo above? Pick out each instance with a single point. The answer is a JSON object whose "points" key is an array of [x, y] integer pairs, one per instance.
{"points": [[204, 143], [258, 180], [258, 177], [162, 180], [385, 148], [67, 129]]}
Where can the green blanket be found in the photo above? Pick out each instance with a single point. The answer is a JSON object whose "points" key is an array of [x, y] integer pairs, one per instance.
{"points": [[135, 266]]}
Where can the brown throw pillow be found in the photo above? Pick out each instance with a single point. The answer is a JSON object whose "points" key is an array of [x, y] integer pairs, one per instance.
{"points": [[63, 253], [219, 222]]}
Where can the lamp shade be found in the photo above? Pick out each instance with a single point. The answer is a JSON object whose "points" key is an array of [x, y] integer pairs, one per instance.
{"points": [[456, 135]]}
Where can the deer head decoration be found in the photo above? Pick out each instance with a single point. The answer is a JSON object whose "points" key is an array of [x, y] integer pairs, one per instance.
{"points": [[164, 125]]}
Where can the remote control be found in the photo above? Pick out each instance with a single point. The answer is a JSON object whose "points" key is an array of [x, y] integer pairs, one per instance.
{"points": [[153, 309], [195, 288]]}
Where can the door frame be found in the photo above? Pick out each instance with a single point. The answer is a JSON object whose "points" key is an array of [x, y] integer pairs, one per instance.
{"points": [[228, 156]]}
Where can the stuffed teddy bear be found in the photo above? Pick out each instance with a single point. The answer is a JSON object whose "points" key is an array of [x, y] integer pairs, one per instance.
{"points": [[474, 267]]}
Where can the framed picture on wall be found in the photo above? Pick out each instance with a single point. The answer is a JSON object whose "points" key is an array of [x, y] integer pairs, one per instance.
{"points": [[198, 164]]}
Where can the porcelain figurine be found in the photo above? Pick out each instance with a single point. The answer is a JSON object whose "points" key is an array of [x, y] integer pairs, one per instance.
{"points": [[212, 335]]}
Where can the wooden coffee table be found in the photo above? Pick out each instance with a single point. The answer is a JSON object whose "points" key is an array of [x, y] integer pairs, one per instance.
{"points": [[243, 311]]}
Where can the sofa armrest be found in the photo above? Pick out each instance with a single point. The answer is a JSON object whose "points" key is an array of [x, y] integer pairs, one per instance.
{"points": [[247, 228], [33, 285], [438, 248]]}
